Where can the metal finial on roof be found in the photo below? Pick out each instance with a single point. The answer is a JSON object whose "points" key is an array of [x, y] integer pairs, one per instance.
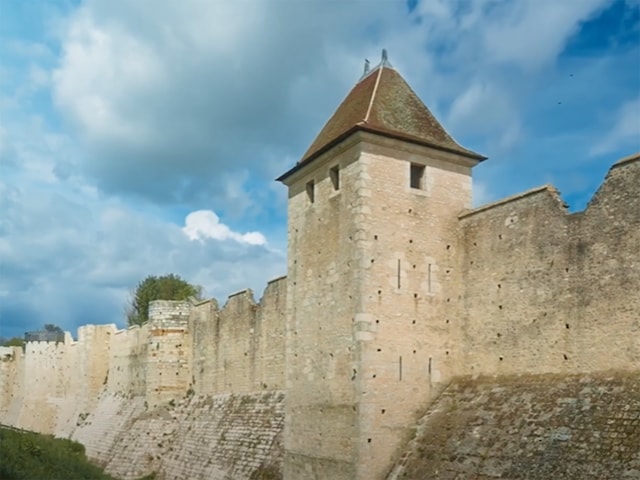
{"points": [[385, 58], [366, 66]]}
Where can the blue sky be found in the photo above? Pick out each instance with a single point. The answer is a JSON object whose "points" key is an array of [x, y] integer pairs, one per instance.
{"points": [[143, 137]]}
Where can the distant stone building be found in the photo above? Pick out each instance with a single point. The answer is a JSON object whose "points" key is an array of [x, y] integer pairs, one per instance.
{"points": [[413, 336]]}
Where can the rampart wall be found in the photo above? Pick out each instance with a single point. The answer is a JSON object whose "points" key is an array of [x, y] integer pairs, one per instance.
{"points": [[120, 392], [545, 291]]}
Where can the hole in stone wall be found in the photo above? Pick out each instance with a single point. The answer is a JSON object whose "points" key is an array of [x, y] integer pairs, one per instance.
{"points": [[375, 237], [447, 352], [382, 411], [501, 358], [415, 295], [377, 321], [565, 356], [414, 322], [368, 440], [379, 292], [414, 352], [566, 269], [499, 236], [410, 241], [372, 260], [446, 321], [566, 326], [379, 349], [410, 210], [499, 286], [373, 376], [471, 262], [499, 334], [475, 244], [448, 247], [355, 372], [448, 300], [500, 307], [414, 266]]}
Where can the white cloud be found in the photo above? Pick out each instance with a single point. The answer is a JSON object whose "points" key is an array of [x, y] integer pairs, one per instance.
{"points": [[625, 132], [484, 110], [531, 33], [206, 224]]}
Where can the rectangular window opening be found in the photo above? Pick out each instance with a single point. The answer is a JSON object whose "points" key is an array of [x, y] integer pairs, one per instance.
{"points": [[399, 273], [311, 191], [334, 173], [417, 176]]}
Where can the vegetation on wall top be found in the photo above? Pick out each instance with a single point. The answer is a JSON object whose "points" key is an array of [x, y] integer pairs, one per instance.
{"points": [[166, 287]]}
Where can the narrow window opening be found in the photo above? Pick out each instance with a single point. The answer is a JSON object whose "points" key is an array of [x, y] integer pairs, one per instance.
{"points": [[399, 274], [400, 368], [334, 173], [311, 191], [417, 176], [429, 277], [429, 365]]}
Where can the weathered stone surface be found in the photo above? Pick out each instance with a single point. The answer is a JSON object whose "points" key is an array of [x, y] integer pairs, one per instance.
{"points": [[223, 437], [533, 427]]}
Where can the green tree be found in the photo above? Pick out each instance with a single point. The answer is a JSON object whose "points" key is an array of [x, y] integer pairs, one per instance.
{"points": [[166, 287], [50, 327], [12, 342]]}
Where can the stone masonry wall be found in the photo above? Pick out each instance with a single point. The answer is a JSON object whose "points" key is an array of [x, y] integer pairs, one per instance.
{"points": [[530, 427], [547, 291], [240, 349]]}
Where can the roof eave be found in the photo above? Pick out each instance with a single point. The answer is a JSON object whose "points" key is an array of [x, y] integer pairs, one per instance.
{"points": [[365, 128]]}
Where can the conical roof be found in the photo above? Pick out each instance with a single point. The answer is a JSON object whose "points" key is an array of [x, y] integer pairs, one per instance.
{"points": [[382, 102]]}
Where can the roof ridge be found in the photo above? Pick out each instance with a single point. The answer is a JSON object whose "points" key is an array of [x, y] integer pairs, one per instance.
{"points": [[373, 93]]}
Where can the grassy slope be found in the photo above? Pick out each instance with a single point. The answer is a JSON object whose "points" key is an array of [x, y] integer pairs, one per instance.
{"points": [[31, 456]]}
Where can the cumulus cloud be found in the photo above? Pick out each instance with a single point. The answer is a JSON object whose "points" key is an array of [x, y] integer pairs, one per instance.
{"points": [[206, 224], [170, 95]]}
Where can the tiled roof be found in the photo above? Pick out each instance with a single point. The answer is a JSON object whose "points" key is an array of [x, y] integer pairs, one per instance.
{"points": [[382, 102]]}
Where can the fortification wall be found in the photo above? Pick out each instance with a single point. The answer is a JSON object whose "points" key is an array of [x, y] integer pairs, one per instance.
{"points": [[127, 362], [533, 427], [240, 349], [203, 437], [168, 362], [11, 372], [545, 291]]}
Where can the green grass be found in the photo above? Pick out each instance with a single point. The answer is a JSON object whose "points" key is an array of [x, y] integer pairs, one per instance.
{"points": [[32, 456]]}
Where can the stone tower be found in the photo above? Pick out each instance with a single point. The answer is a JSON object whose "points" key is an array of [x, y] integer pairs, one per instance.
{"points": [[373, 208]]}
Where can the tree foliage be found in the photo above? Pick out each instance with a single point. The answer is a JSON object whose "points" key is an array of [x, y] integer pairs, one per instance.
{"points": [[12, 342], [166, 287]]}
